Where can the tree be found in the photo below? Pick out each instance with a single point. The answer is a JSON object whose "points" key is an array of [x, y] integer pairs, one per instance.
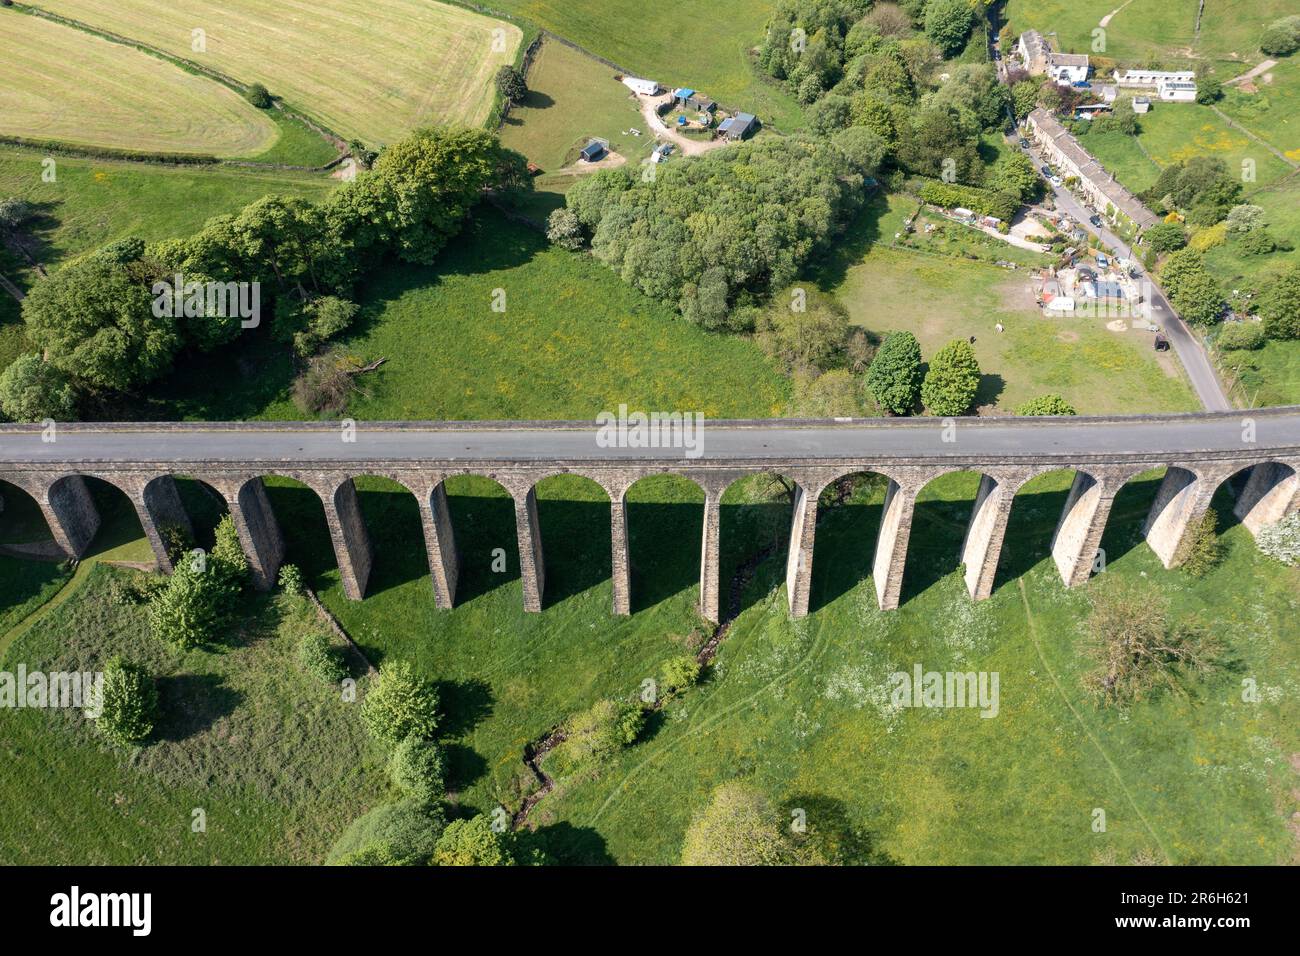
{"points": [[1245, 336], [511, 83], [259, 96], [1016, 174], [1166, 237], [1201, 548], [199, 600], [95, 322], [894, 378], [1198, 298], [952, 379], [474, 842], [32, 391], [325, 318], [804, 329], [738, 827], [321, 658], [13, 213], [1244, 218], [679, 673], [831, 113], [416, 768], [125, 707], [565, 229], [1024, 98], [1137, 653], [1046, 405], [864, 148], [948, 23], [1208, 90], [833, 394], [1279, 305], [1281, 37], [1281, 541], [401, 704]]}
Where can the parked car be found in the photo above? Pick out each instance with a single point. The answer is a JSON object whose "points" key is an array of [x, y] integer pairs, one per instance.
{"points": [[1057, 181], [1045, 170], [1095, 220], [1024, 143]]}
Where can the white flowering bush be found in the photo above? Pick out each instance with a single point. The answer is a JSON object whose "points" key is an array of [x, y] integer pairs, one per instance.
{"points": [[1282, 540]]}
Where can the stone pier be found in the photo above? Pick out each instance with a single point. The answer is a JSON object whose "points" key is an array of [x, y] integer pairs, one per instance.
{"points": [[799, 559], [440, 543], [351, 540], [619, 552], [259, 532], [158, 503], [710, 598], [1077, 539], [532, 565], [1272, 492], [982, 546], [891, 543], [70, 512]]}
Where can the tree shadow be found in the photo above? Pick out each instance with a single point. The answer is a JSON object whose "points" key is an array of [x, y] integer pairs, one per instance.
{"points": [[537, 100], [832, 832], [990, 388], [849, 247], [567, 845], [463, 766], [192, 703], [466, 703]]}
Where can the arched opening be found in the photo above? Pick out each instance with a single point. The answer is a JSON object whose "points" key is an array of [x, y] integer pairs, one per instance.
{"points": [[1257, 496], [755, 516], [120, 536], [849, 511], [574, 515], [21, 521], [204, 506], [1033, 521], [391, 513], [300, 514], [665, 520], [1128, 516], [940, 520], [483, 515]]}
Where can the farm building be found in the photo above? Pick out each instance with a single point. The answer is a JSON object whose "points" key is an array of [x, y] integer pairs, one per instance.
{"points": [[738, 127], [592, 152], [1177, 91], [1173, 86], [642, 87], [689, 99], [1141, 104], [1069, 68]]}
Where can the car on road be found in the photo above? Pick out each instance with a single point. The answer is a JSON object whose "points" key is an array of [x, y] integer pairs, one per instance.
{"points": [[1057, 181], [1024, 144], [1095, 220]]}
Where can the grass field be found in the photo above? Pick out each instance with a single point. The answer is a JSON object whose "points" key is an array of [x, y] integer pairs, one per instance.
{"points": [[571, 98], [1268, 376], [803, 711], [1272, 112], [92, 202], [574, 340], [65, 84], [939, 299], [667, 42], [373, 71], [1160, 29]]}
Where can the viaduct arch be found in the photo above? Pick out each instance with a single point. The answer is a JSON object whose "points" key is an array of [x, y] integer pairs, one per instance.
{"points": [[1199, 451]]}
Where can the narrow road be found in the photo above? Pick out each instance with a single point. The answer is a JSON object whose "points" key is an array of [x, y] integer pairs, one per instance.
{"points": [[1199, 368]]}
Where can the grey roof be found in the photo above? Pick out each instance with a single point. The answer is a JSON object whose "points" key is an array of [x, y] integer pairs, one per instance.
{"points": [[1114, 191]]}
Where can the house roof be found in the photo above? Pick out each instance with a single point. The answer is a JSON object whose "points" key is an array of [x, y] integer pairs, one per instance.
{"points": [[683, 93], [1069, 59], [593, 149], [1095, 172]]}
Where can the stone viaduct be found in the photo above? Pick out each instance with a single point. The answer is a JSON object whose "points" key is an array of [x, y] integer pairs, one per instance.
{"points": [[1199, 451]]}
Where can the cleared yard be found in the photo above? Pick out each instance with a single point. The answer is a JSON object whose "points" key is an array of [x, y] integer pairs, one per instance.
{"points": [[374, 70], [65, 84]]}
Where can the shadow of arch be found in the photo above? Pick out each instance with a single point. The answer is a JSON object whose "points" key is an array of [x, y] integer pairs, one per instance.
{"points": [[665, 523], [573, 514], [120, 536], [939, 522], [1032, 523], [844, 549], [21, 518], [1128, 515], [483, 516], [391, 513], [755, 514], [1256, 496], [300, 513], [205, 507]]}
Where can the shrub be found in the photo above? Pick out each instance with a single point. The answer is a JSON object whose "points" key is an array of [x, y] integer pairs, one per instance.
{"points": [[193, 607], [511, 83], [32, 390], [13, 213], [259, 96], [1260, 242], [1281, 541], [1137, 653], [1046, 405], [565, 230], [952, 380], [326, 317], [416, 768], [401, 704], [320, 658], [328, 383], [599, 732], [894, 378], [1241, 335], [679, 673], [739, 827], [127, 704], [402, 834], [1279, 306], [474, 842], [1200, 549], [1166, 237], [291, 580], [833, 394], [1281, 37]]}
